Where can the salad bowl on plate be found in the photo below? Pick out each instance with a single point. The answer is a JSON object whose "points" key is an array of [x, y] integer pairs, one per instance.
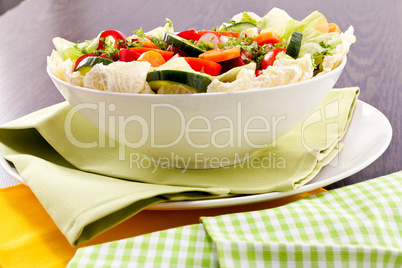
{"points": [[248, 83]]}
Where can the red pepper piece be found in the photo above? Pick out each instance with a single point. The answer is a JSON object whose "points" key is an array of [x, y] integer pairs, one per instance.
{"points": [[128, 55], [117, 35], [81, 58], [230, 64], [189, 35], [85, 56], [258, 72], [205, 66]]}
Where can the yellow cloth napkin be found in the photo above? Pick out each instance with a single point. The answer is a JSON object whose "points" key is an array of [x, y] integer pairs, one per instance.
{"points": [[77, 186], [30, 238]]}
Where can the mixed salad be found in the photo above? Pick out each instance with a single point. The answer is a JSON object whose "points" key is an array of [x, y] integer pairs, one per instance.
{"points": [[248, 52]]}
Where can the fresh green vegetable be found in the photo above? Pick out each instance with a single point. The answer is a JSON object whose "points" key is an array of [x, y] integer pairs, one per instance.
{"points": [[318, 57], [244, 17], [70, 50], [274, 18], [182, 44], [247, 41], [190, 80], [294, 45], [240, 26], [66, 49], [250, 17], [86, 64], [231, 75]]}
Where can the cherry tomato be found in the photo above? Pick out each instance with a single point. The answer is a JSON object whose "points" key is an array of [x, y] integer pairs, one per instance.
{"points": [[269, 58]]}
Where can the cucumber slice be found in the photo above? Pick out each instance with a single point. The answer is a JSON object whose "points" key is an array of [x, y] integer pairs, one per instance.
{"points": [[182, 44], [84, 69], [294, 45], [86, 64], [157, 84], [195, 81], [240, 26]]}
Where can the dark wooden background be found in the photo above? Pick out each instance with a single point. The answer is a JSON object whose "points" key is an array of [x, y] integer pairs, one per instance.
{"points": [[374, 62]]}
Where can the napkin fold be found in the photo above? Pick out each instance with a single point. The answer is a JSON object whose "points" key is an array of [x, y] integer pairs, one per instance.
{"points": [[79, 187], [358, 225]]}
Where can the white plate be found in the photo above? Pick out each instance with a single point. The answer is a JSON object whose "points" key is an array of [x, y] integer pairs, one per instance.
{"points": [[367, 138]]}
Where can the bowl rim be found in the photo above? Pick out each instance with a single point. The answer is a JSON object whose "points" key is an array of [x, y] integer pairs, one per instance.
{"points": [[202, 95]]}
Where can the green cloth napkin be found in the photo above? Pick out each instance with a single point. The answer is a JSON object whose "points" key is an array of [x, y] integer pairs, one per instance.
{"points": [[79, 189], [354, 226]]}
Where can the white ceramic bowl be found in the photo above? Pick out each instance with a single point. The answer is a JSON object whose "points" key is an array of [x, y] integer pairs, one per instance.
{"points": [[199, 131]]}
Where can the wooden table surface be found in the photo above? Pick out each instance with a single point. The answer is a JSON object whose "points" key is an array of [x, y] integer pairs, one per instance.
{"points": [[374, 62]]}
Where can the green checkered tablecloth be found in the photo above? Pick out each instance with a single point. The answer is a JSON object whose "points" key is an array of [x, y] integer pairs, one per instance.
{"points": [[355, 226]]}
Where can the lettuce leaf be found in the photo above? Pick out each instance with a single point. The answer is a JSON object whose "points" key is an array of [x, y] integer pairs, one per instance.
{"points": [[274, 18], [64, 69], [278, 21], [330, 62], [308, 24], [178, 64], [231, 75], [61, 46], [89, 46], [119, 76], [284, 71], [159, 31], [70, 50], [314, 45], [247, 17]]}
